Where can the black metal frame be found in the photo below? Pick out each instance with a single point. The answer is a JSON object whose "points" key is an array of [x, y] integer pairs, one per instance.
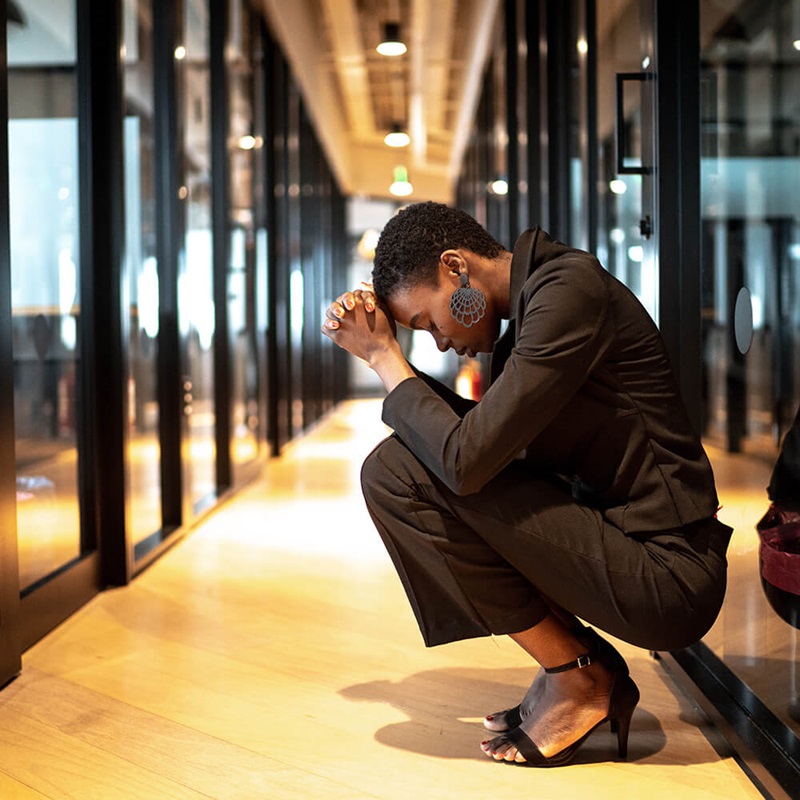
{"points": [[220, 181], [168, 236], [10, 661], [559, 65], [103, 321], [764, 746]]}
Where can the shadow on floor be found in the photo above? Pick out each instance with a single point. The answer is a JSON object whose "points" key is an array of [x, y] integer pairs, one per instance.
{"points": [[445, 708]]}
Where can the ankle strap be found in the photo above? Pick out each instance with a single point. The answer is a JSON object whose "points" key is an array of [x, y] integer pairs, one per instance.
{"points": [[579, 663]]}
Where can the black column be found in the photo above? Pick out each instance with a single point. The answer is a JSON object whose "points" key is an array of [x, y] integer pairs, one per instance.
{"points": [[102, 320], [169, 234], [220, 178], [678, 193]]}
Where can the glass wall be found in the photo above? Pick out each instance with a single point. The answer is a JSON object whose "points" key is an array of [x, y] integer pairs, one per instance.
{"points": [[141, 270], [131, 338], [45, 267], [195, 260], [750, 171], [244, 143], [620, 240]]}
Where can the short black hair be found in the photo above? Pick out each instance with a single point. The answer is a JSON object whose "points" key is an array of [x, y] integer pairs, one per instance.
{"points": [[409, 247]]}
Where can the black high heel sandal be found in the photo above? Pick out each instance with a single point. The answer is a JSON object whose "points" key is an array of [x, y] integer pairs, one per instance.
{"points": [[599, 650], [622, 701]]}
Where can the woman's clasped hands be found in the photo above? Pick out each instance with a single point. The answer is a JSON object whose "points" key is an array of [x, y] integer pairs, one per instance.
{"points": [[357, 323]]}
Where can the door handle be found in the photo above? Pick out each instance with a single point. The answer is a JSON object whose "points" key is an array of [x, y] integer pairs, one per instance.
{"points": [[622, 78]]}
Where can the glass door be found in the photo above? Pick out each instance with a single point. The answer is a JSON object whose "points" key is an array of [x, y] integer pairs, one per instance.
{"points": [[141, 273], [245, 143], [750, 217], [196, 312], [627, 214], [46, 305]]}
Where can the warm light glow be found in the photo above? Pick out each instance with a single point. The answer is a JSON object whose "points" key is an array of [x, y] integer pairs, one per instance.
{"points": [[583, 46], [368, 243], [180, 52], [249, 142], [396, 138], [618, 186], [401, 188], [796, 44], [391, 48], [500, 186]]}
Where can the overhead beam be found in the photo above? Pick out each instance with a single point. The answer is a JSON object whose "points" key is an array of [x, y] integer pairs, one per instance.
{"points": [[439, 38], [348, 54]]}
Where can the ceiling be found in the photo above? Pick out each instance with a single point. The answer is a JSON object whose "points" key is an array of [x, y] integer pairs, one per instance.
{"points": [[354, 95]]}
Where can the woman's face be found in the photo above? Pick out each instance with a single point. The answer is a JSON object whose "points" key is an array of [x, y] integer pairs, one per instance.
{"points": [[426, 308]]}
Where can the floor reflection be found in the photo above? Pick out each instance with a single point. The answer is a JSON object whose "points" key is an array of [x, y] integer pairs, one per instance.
{"points": [[749, 636]]}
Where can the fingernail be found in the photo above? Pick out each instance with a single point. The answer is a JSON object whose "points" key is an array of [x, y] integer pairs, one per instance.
{"points": [[490, 718], [338, 312]]}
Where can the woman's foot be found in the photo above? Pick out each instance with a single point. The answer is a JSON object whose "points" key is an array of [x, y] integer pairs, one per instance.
{"points": [[567, 706], [599, 650], [502, 721]]}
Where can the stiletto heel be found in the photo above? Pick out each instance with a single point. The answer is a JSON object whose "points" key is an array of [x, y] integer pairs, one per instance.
{"points": [[622, 738], [622, 701]]}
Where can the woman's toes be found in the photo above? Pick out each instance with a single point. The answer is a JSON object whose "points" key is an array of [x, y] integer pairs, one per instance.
{"points": [[500, 749], [495, 722]]}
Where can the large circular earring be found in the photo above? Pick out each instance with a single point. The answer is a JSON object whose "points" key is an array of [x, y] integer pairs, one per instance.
{"points": [[467, 305]]}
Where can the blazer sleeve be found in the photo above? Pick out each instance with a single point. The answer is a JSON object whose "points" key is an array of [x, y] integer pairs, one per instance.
{"points": [[563, 334]]}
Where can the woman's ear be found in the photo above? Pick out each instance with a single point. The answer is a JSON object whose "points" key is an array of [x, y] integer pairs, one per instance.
{"points": [[453, 261]]}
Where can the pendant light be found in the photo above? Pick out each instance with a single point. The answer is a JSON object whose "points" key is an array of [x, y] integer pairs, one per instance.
{"points": [[392, 44]]}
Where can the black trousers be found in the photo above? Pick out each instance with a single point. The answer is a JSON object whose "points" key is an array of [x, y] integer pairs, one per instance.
{"points": [[496, 561]]}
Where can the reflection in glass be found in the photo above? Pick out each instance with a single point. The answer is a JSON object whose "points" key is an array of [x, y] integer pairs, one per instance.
{"points": [[750, 171], [141, 267], [195, 270], [620, 244], [244, 144], [45, 271]]}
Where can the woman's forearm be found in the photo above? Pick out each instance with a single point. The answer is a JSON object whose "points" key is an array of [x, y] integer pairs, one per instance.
{"points": [[391, 366]]}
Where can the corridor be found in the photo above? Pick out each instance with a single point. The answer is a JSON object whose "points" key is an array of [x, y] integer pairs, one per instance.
{"points": [[272, 654]]}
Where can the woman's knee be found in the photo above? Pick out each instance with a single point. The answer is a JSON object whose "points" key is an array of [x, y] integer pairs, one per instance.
{"points": [[381, 467]]}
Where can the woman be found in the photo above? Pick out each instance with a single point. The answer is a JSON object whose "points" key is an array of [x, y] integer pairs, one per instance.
{"points": [[576, 487]]}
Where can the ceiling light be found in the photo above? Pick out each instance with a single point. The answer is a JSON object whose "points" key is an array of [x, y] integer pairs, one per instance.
{"points": [[397, 137], [401, 186], [796, 44], [392, 44], [499, 186]]}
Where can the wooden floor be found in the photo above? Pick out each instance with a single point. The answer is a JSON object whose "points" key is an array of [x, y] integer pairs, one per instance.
{"points": [[272, 654]]}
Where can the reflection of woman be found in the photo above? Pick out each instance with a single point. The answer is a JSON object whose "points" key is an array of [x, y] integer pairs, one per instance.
{"points": [[784, 485], [576, 487]]}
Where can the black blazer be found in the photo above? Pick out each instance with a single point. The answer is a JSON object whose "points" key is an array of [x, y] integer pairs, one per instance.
{"points": [[581, 389]]}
